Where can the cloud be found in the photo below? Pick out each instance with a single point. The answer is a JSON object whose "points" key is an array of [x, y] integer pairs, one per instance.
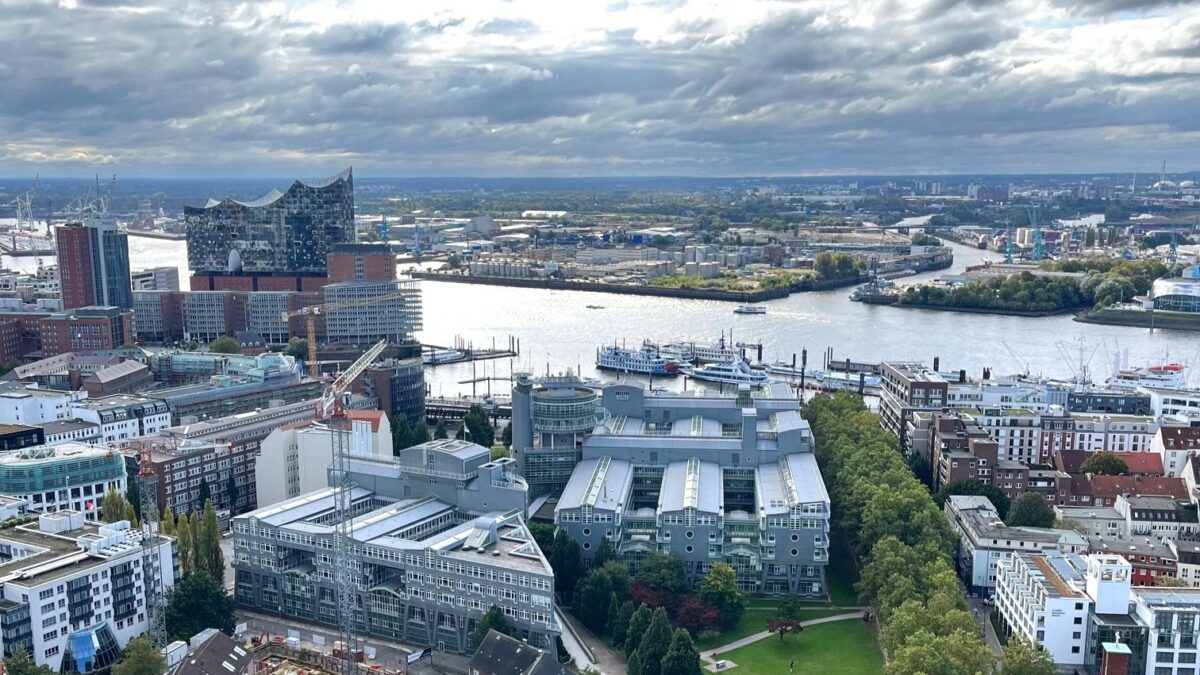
{"points": [[503, 87]]}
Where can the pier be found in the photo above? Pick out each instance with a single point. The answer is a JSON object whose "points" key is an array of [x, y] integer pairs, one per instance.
{"points": [[463, 351]]}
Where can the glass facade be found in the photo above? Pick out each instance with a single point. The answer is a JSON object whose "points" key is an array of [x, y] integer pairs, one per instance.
{"points": [[289, 232], [110, 267]]}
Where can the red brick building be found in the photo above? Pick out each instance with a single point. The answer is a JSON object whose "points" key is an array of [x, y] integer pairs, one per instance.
{"points": [[75, 273], [85, 329], [358, 262]]}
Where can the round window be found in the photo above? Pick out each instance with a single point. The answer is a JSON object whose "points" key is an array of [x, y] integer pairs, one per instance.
{"points": [[689, 549], [587, 532], [588, 545], [689, 534], [795, 552], [795, 537]]}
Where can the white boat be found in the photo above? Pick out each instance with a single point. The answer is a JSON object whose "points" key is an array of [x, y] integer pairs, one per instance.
{"points": [[721, 352], [442, 356], [750, 309], [1160, 376], [644, 361], [736, 371], [786, 368]]}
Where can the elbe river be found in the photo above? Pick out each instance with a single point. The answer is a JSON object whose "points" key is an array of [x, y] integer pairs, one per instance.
{"points": [[557, 331]]}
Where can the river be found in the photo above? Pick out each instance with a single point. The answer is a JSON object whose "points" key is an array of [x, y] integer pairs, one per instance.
{"points": [[557, 331]]}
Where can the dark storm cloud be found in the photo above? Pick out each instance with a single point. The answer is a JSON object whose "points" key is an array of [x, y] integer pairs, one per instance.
{"points": [[936, 85]]}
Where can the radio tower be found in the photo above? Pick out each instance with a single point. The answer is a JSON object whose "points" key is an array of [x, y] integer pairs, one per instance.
{"points": [[152, 581]]}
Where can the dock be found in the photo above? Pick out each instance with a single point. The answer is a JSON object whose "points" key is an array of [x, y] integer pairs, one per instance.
{"points": [[464, 351]]}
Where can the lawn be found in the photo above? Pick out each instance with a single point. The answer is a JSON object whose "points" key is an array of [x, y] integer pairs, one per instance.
{"points": [[755, 621], [841, 576], [839, 648]]}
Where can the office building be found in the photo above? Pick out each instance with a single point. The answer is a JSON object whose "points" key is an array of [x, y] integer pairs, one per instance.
{"points": [[93, 264], [426, 571], [380, 310], [708, 478], [85, 329], [70, 475], [34, 406], [906, 388], [71, 430], [158, 316], [361, 262], [73, 593], [1042, 597], [550, 418], [398, 385], [156, 279], [281, 233], [17, 436]]}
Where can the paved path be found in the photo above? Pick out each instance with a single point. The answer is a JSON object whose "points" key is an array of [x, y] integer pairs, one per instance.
{"points": [[606, 661], [706, 656]]}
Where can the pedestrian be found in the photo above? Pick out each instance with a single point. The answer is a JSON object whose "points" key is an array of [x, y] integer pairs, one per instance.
{"points": [[792, 666]]}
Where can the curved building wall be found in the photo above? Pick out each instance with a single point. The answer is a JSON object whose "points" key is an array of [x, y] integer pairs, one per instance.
{"points": [[1177, 295], [289, 232]]}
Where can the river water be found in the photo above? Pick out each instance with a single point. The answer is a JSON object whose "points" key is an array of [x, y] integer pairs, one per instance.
{"points": [[557, 331]]}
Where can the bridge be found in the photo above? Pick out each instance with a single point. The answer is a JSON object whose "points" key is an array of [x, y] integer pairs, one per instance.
{"points": [[454, 409]]}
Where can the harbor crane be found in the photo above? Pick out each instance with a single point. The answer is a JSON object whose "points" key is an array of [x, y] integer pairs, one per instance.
{"points": [[1036, 225], [332, 407], [311, 313]]}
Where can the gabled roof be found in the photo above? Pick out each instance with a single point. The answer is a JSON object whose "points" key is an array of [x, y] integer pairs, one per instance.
{"points": [[500, 654], [218, 654], [1180, 438], [1111, 487]]}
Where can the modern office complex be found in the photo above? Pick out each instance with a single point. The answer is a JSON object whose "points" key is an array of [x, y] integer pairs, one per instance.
{"points": [[70, 475], [438, 539], [372, 310], [282, 232], [93, 264], [398, 385], [72, 591], [707, 478], [550, 418]]}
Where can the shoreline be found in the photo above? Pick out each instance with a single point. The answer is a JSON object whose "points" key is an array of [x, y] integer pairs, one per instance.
{"points": [[156, 235], [1144, 319], [663, 292], [1025, 313]]}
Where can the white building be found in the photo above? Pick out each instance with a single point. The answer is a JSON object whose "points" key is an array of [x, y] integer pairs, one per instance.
{"points": [[71, 476], [1185, 402], [986, 541], [1002, 394], [298, 456], [1174, 444], [1041, 597], [33, 406], [1170, 615], [124, 416], [70, 586], [1017, 432]]}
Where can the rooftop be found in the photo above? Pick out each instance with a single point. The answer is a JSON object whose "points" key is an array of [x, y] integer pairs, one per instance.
{"points": [[45, 454]]}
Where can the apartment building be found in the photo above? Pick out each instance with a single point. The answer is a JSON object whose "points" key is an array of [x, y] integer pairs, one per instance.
{"points": [[1042, 597], [29, 404], [123, 416], [905, 388]]}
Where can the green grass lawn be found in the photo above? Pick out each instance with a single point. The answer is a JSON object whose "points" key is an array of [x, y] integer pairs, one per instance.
{"points": [[841, 576], [839, 648], [755, 621]]}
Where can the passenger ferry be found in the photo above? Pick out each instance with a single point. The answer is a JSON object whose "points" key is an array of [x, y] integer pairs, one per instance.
{"points": [[786, 368], [442, 356], [1159, 376], [736, 371], [750, 309], [644, 361]]}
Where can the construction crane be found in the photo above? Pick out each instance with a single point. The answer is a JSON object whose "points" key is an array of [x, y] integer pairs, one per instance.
{"points": [[311, 313], [1036, 225], [332, 407], [1173, 251], [1008, 241], [152, 580]]}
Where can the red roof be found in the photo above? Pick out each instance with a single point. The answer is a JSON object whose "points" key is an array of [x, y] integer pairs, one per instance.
{"points": [[1180, 438], [1111, 487], [372, 416], [1142, 462]]}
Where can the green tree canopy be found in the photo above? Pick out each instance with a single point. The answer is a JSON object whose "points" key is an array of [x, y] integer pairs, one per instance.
{"points": [[196, 602], [1022, 657], [593, 595], [567, 564], [1104, 463], [225, 345], [477, 427], [495, 620], [140, 658], [114, 507], [297, 348], [681, 657], [719, 590], [638, 623], [207, 546], [439, 431], [654, 644], [402, 435], [973, 487], [20, 663], [1030, 510], [663, 572]]}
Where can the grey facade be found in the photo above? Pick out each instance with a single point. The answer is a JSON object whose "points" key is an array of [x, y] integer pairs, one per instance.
{"points": [[550, 419], [709, 479], [288, 232], [388, 310], [439, 539]]}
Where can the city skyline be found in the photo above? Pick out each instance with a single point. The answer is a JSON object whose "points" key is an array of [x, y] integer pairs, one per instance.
{"points": [[531, 89]]}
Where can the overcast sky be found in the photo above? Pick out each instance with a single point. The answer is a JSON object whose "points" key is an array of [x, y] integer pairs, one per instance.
{"points": [[567, 87]]}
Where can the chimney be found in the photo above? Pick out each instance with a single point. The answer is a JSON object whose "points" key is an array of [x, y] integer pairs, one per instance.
{"points": [[937, 362], [1115, 660]]}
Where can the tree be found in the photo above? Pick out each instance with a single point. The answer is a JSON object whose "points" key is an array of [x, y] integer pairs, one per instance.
{"points": [[634, 665], [638, 623], [506, 436], [140, 658], [973, 487], [196, 602], [114, 507], [1171, 582], [1030, 510], [783, 625], [402, 435], [543, 535], [225, 345], [207, 545], [1105, 463], [493, 620], [167, 523], [618, 624], [566, 562], [1022, 657], [130, 516], [681, 657], [478, 428], [297, 348], [593, 595], [663, 572], [133, 495], [695, 616], [654, 644], [20, 663], [719, 590], [439, 431], [420, 432], [183, 538], [604, 553], [231, 494], [824, 265], [205, 495], [790, 607]]}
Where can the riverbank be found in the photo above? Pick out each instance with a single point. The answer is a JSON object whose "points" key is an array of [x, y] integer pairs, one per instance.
{"points": [[156, 235], [987, 310], [1141, 319], [656, 291]]}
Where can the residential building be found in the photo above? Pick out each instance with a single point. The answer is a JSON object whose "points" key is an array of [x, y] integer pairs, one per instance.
{"points": [[69, 475], [17, 436], [1170, 616], [1148, 557], [1186, 552], [1017, 431], [998, 394], [1180, 402], [1041, 597], [1174, 444], [1095, 521], [551, 416], [1109, 401], [961, 450], [985, 541], [426, 573], [905, 388], [122, 417], [85, 329], [73, 593], [34, 406], [499, 654], [1093, 432], [281, 233], [648, 476], [71, 430], [93, 264], [1163, 517]]}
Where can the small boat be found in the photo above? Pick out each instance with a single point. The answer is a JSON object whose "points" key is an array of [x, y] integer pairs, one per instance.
{"points": [[442, 356], [750, 309], [644, 361], [736, 371], [594, 306]]}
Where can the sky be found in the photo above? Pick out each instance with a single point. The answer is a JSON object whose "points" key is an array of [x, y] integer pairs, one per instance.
{"points": [[579, 88]]}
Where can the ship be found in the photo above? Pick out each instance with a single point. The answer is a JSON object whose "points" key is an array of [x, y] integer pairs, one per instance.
{"points": [[736, 371], [1158, 376], [750, 309], [439, 356], [644, 361]]}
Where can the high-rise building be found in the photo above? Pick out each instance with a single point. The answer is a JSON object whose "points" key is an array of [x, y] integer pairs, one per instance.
{"points": [[281, 233], [93, 264]]}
